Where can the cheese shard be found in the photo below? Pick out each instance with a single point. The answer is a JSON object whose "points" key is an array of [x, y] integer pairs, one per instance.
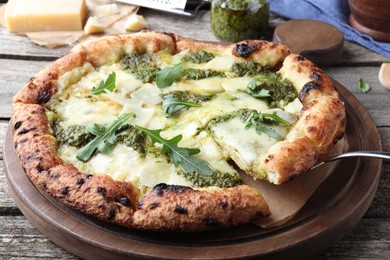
{"points": [[45, 15], [93, 25], [135, 23]]}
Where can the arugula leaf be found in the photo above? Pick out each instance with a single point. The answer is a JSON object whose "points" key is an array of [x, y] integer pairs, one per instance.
{"points": [[172, 105], [363, 86], [109, 85], [260, 121], [179, 155], [167, 76], [105, 139]]}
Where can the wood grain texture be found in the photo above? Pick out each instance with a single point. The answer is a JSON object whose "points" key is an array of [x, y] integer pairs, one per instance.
{"points": [[317, 41], [14, 74], [21, 58]]}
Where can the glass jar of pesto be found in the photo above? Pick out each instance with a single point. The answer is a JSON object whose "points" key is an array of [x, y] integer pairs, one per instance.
{"points": [[236, 20]]}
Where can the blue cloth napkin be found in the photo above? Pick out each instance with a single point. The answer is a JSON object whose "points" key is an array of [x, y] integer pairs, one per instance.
{"points": [[335, 12]]}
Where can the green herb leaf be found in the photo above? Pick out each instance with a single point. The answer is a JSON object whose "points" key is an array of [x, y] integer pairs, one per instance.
{"points": [[260, 121], [363, 86], [105, 139], [167, 76], [172, 105], [109, 85], [179, 155]]}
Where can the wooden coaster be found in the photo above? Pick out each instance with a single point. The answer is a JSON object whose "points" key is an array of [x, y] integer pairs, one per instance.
{"points": [[319, 42]]}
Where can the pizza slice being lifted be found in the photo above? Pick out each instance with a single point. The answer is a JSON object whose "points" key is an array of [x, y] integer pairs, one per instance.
{"points": [[149, 130]]}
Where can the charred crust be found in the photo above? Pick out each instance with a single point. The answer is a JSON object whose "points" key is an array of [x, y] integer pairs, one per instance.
{"points": [[44, 96], [300, 58], [64, 190], [181, 210], [88, 176], [160, 188], [243, 49], [101, 190], [17, 125], [154, 205], [223, 204], [124, 201], [140, 204], [307, 88], [111, 213], [40, 168], [23, 131], [80, 181], [211, 222], [315, 76]]}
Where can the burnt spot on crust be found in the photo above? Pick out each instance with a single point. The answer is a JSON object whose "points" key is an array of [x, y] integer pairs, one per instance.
{"points": [[140, 204], [111, 213], [223, 204], [181, 210], [160, 188], [25, 131], [124, 201], [307, 88], [211, 222], [64, 190], [243, 49], [154, 205], [44, 96], [40, 168], [300, 58], [88, 176], [311, 128], [80, 181], [17, 125], [101, 190], [315, 76]]}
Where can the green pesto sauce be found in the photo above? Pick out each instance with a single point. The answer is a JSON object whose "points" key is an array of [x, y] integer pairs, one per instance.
{"points": [[218, 179], [199, 57], [281, 91], [79, 136], [189, 96], [143, 66], [196, 74], [249, 68], [236, 20], [73, 135]]}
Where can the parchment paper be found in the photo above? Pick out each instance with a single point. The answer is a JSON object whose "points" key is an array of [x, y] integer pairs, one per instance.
{"points": [[287, 199], [114, 24]]}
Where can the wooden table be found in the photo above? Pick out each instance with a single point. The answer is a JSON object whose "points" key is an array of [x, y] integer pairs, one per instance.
{"points": [[19, 59]]}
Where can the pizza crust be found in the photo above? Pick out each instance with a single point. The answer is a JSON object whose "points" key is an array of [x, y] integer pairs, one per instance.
{"points": [[171, 207]]}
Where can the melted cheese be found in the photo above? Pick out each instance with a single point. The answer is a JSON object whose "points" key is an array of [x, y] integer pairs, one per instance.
{"points": [[230, 139]]}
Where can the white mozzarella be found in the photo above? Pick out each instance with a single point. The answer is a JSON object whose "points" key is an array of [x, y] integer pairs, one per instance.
{"points": [[149, 94], [221, 63]]}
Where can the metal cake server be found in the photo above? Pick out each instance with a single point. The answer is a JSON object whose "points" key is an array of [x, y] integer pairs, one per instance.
{"points": [[372, 154]]}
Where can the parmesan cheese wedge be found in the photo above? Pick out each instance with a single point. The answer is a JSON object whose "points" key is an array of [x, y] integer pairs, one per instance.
{"points": [[135, 23], [45, 15], [93, 26]]}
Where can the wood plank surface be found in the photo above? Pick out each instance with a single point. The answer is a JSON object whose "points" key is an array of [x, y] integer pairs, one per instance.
{"points": [[20, 59], [198, 27]]}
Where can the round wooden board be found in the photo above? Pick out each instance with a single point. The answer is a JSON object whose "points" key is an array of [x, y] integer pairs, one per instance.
{"points": [[319, 42], [336, 206]]}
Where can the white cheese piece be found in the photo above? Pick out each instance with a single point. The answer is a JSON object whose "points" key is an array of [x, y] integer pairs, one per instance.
{"points": [[106, 10], [45, 15], [236, 84], [243, 145], [135, 23], [142, 114], [208, 84], [294, 107], [93, 25], [221, 63], [77, 111], [149, 94]]}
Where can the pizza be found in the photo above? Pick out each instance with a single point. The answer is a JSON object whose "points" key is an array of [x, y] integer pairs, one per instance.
{"points": [[153, 131]]}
